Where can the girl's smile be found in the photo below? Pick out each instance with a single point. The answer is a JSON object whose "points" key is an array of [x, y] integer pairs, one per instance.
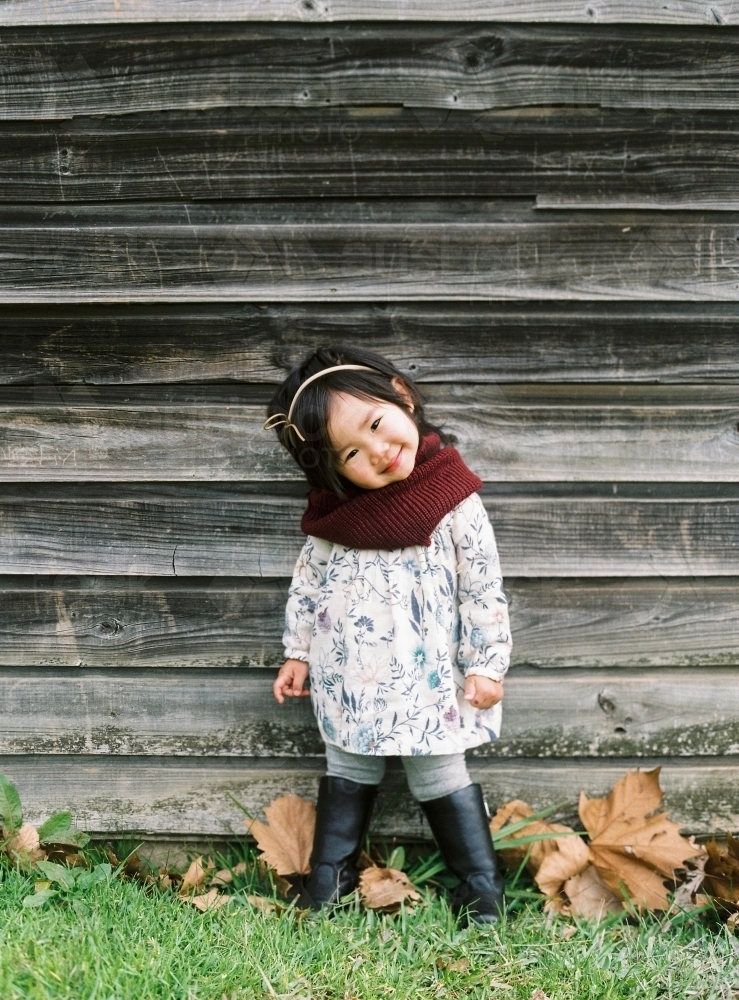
{"points": [[375, 442]]}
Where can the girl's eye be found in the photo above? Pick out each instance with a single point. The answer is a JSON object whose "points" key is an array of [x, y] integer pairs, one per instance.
{"points": [[351, 455], [376, 424]]}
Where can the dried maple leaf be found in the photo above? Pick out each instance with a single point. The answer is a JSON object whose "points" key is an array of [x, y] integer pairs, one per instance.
{"points": [[287, 841], [632, 847], [225, 875], [686, 894], [589, 896], [265, 905], [24, 847], [453, 965], [513, 812], [570, 858], [721, 874], [194, 877], [209, 900], [555, 862], [386, 888]]}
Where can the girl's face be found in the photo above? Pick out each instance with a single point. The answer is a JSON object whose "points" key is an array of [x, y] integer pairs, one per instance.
{"points": [[375, 442]]}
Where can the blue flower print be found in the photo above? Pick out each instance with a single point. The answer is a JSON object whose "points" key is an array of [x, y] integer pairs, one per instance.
{"points": [[419, 658], [363, 738], [478, 637], [433, 679], [308, 604], [366, 623], [328, 728]]}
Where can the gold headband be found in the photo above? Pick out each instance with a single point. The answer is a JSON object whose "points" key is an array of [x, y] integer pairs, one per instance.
{"points": [[284, 419]]}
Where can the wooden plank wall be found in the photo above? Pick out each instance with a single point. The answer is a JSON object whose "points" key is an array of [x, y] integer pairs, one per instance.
{"points": [[532, 209]]}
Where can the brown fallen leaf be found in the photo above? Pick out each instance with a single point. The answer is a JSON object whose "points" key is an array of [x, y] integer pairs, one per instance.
{"points": [[590, 897], [283, 886], [632, 845], [453, 965], [265, 905], [513, 812], [364, 861], [684, 897], [195, 875], [386, 888], [225, 875], [210, 900], [721, 874], [287, 841], [539, 995], [23, 847], [568, 859]]}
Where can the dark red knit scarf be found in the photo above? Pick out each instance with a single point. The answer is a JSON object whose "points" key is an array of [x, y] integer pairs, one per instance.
{"points": [[400, 514]]}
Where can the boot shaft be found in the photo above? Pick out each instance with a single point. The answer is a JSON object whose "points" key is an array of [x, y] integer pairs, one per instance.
{"points": [[343, 813], [460, 825]]}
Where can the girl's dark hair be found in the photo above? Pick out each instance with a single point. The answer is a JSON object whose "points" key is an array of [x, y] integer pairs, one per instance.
{"points": [[315, 455]]}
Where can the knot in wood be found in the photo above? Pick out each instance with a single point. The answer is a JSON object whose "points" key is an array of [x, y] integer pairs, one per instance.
{"points": [[606, 704], [109, 626], [476, 55]]}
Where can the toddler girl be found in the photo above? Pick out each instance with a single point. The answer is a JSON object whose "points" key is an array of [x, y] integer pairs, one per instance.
{"points": [[397, 613]]}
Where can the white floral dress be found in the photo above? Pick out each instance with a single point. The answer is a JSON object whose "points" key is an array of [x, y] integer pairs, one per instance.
{"points": [[389, 636]]}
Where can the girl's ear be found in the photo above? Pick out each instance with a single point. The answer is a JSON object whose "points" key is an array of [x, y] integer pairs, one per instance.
{"points": [[399, 387]]}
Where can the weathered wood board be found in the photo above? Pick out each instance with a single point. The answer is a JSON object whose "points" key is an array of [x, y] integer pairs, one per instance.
{"points": [[173, 530], [53, 348], [221, 623], [181, 797], [505, 433], [581, 156], [56, 12], [98, 71], [458, 249], [547, 714]]}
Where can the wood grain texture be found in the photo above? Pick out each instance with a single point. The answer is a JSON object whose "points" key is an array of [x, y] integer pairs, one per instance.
{"points": [[624, 622], [53, 348], [138, 621], [553, 714], [225, 530], [506, 434], [222, 623], [60, 12], [581, 156], [98, 71], [467, 249], [192, 797]]}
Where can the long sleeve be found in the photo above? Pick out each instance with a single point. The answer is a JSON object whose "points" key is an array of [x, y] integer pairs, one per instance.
{"points": [[485, 636], [300, 612]]}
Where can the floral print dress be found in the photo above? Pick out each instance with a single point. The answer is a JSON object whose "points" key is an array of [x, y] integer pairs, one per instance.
{"points": [[389, 636]]}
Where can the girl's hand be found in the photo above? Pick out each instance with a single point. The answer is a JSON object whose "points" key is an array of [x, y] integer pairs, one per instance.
{"points": [[482, 692], [290, 680]]}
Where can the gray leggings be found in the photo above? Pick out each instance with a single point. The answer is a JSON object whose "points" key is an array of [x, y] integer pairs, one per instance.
{"points": [[428, 777]]}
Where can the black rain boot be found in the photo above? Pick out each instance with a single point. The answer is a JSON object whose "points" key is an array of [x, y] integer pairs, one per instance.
{"points": [[343, 815], [459, 822]]}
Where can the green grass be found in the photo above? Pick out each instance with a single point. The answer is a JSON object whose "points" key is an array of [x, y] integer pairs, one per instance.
{"points": [[125, 942]]}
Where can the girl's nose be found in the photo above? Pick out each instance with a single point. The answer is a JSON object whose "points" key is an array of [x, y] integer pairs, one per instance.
{"points": [[378, 452]]}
